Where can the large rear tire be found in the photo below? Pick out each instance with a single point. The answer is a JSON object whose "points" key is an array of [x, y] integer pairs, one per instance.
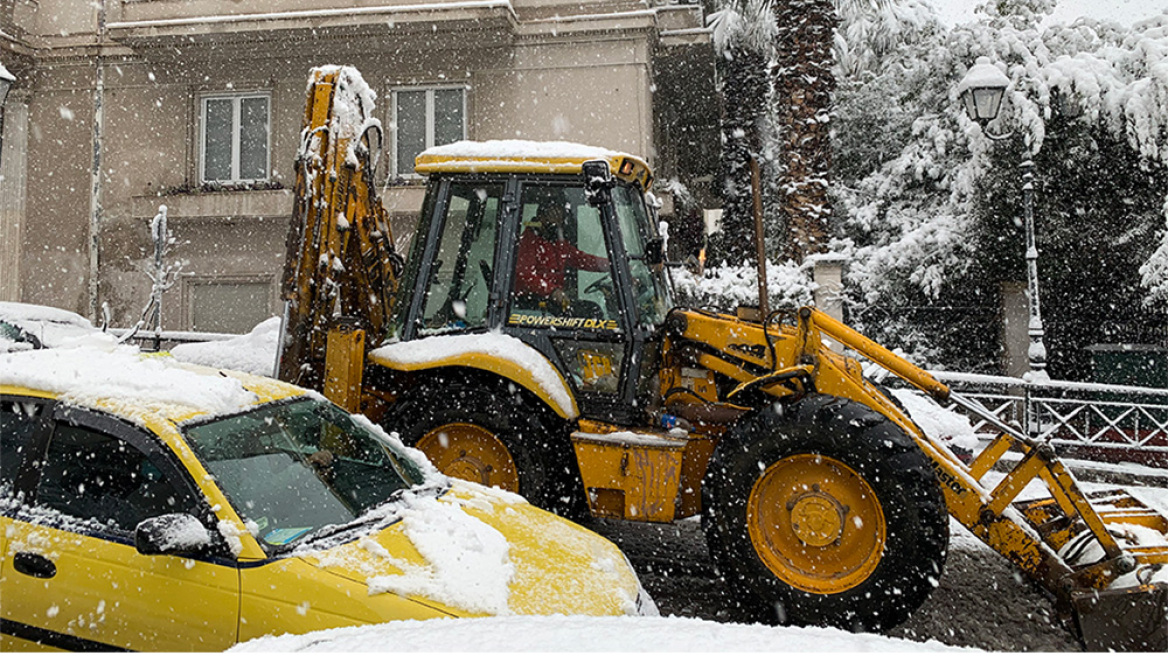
{"points": [[495, 437], [826, 513]]}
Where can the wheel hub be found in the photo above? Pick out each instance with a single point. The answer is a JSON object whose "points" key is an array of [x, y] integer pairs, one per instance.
{"points": [[472, 453], [816, 523], [817, 519]]}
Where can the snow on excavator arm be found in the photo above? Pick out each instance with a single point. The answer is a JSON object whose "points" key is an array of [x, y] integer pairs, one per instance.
{"points": [[341, 265]]}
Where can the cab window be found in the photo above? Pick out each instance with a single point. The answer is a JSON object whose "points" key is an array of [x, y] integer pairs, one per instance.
{"points": [[649, 288], [99, 478], [458, 291], [563, 278]]}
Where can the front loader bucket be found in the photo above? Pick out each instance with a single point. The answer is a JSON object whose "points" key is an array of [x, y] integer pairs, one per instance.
{"points": [[1102, 554], [1125, 619]]}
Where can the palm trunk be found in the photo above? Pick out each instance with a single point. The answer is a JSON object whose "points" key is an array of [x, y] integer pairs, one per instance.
{"points": [[745, 93], [803, 87]]}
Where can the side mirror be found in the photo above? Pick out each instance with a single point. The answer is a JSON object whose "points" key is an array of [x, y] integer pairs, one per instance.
{"points": [[174, 534], [598, 182]]}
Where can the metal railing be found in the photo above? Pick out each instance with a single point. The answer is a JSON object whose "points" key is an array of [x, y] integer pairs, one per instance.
{"points": [[1106, 422]]}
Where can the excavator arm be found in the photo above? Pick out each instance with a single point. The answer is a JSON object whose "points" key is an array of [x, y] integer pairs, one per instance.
{"points": [[341, 266]]}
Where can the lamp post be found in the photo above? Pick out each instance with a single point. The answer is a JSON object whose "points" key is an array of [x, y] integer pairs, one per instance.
{"points": [[6, 80], [981, 92]]}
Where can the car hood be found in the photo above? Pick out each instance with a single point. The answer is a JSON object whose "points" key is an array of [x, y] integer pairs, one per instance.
{"points": [[474, 551]]}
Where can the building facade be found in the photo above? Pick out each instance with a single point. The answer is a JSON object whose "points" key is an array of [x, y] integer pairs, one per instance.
{"points": [[121, 106]]}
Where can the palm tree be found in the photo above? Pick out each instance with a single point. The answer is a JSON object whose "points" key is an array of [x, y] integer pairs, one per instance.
{"points": [[743, 38], [803, 86]]}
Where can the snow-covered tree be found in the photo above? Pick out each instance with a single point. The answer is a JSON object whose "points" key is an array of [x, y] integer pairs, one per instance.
{"points": [[929, 206]]}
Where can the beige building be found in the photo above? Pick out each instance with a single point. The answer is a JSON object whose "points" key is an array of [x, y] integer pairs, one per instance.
{"points": [[124, 105]]}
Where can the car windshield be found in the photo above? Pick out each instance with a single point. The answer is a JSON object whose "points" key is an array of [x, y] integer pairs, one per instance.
{"points": [[293, 468]]}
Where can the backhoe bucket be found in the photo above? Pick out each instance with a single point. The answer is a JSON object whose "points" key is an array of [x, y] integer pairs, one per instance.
{"points": [[1125, 619]]}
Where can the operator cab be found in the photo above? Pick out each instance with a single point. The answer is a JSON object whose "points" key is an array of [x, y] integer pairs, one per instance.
{"points": [[531, 246]]}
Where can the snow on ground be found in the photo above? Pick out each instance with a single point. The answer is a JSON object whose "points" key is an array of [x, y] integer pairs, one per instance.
{"points": [[584, 634], [949, 427], [254, 352]]}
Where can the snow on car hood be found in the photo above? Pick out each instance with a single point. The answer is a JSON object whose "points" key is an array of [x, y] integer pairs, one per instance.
{"points": [[481, 551]]}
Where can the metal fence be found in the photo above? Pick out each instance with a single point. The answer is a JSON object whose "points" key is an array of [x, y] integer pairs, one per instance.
{"points": [[1101, 422]]}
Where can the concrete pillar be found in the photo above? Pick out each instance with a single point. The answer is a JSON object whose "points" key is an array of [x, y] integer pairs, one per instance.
{"points": [[1014, 337], [13, 177], [828, 275]]}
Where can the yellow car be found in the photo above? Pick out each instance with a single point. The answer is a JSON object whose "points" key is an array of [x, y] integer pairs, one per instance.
{"points": [[150, 505]]}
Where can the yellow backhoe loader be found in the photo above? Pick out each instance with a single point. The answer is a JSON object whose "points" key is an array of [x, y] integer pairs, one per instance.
{"points": [[530, 342]]}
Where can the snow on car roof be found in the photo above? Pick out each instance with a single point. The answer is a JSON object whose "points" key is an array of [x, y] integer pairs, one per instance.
{"points": [[124, 381], [520, 149], [51, 326]]}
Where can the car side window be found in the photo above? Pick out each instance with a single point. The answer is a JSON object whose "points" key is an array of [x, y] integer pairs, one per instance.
{"points": [[97, 477], [18, 423]]}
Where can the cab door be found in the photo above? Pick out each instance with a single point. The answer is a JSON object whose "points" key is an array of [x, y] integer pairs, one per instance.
{"points": [[567, 294], [71, 576]]}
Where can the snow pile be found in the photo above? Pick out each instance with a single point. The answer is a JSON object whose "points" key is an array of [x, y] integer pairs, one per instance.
{"points": [[51, 326], [948, 426], [88, 375], [584, 634], [254, 352], [468, 564], [179, 532], [726, 287], [434, 349]]}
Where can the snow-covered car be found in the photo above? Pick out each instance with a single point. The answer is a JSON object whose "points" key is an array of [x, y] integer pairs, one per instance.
{"points": [[24, 326], [152, 505]]}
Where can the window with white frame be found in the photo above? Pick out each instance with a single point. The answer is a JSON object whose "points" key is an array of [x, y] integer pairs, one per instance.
{"points": [[425, 117], [235, 135]]}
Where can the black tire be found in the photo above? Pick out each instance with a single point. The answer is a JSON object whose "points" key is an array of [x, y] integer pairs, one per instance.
{"points": [[535, 439], [763, 454]]}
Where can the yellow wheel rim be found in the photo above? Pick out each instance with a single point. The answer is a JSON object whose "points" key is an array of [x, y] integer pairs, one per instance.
{"points": [[816, 524], [471, 453]]}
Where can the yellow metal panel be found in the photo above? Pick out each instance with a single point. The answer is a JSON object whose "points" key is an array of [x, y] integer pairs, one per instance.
{"points": [[344, 364], [648, 472], [106, 592], [292, 595], [559, 566]]}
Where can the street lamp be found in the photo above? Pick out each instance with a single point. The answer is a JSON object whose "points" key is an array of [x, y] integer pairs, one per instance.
{"points": [[981, 92]]}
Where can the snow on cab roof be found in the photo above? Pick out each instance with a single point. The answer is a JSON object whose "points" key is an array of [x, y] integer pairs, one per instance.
{"points": [[132, 384], [521, 156]]}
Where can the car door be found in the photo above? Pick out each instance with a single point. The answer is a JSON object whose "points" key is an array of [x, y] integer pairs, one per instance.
{"points": [[72, 577]]}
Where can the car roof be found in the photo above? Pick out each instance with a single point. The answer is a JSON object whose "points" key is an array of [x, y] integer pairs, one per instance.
{"points": [[143, 388], [520, 156]]}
